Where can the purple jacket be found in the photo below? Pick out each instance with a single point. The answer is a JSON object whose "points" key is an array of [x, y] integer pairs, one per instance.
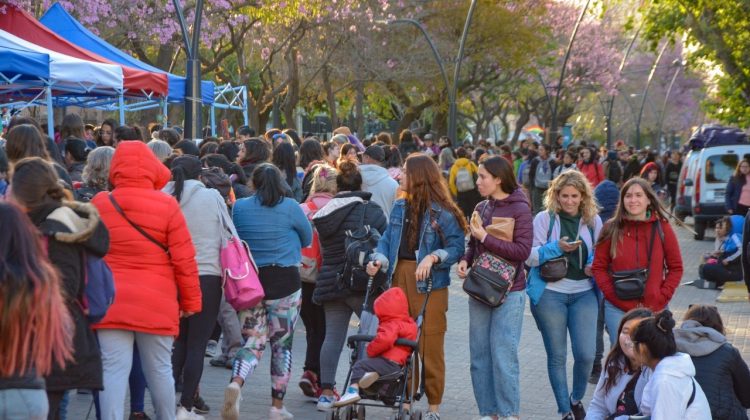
{"points": [[516, 205]]}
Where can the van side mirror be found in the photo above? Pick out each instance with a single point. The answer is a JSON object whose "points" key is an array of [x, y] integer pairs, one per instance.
{"points": [[688, 182]]}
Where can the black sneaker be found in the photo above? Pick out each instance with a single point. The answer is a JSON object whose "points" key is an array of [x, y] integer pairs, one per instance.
{"points": [[200, 406], [596, 372], [138, 416], [579, 413]]}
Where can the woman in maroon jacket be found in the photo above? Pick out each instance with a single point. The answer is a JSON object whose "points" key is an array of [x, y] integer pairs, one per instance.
{"points": [[495, 332], [624, 246]]}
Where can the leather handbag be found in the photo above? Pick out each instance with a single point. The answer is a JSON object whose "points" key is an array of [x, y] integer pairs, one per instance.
{"points": [[630, 284], [490, 279], [555, 269]]}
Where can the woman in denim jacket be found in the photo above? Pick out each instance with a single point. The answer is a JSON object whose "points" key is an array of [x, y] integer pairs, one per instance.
{"points": [[568, 229], [425, 237]]}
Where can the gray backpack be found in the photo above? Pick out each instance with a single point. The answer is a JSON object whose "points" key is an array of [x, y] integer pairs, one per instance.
{"points": [[464, 180]]}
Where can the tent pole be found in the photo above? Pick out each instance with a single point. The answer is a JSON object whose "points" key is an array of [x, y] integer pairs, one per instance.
{"points": [[213, 120], [166, 113], [244, 105], [122, 108], [50, 114]]}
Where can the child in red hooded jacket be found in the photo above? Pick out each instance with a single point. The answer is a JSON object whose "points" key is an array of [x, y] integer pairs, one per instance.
{"points": [[384, 356]]}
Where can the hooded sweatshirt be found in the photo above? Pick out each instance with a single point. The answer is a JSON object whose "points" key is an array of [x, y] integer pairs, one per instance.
{"points": [[667, 393], [719, 369], [377, 181], [392, 310], [515, 206], [201, 207], [732, 246]]}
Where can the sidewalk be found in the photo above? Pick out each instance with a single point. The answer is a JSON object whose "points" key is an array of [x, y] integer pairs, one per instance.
{"points": [[537, 401]]}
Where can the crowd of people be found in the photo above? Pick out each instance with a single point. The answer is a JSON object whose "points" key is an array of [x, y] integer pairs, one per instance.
{"points": [[586, 233]]}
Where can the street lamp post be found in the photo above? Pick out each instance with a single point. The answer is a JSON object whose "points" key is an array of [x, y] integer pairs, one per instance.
{"points": [[611, 104], [645, 93], [666, 99], [553, 128], [193, 98], [451, 89]]}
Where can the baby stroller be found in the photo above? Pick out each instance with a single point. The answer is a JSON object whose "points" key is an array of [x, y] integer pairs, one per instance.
{"points": [[391, 390]]}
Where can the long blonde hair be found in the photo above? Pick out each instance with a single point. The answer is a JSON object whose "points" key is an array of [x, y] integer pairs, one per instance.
{"points": [[588, 207]]}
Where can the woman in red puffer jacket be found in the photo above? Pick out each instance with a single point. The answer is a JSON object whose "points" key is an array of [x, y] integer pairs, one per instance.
{"points": [[624, 246], [155, 273]]}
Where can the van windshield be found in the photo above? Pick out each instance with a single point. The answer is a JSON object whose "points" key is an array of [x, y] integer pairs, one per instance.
{"points": [[719, 168]]}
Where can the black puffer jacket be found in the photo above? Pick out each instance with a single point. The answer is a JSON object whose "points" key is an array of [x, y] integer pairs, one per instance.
{"points": [[72, 228], [719, 369], [343, 212]]}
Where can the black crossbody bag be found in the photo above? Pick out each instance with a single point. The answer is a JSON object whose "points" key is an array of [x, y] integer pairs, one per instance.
{"points": [[630, 284]]}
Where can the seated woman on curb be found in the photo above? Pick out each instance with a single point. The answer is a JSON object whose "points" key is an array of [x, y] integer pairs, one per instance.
{"points": [[621, 383], [672, 391]]}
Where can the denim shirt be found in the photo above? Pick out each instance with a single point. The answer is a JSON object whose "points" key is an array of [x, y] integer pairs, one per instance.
{"points": [[449, 248]]}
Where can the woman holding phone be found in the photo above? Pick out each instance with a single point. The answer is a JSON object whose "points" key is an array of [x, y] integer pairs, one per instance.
{"points": [[564, 240]]}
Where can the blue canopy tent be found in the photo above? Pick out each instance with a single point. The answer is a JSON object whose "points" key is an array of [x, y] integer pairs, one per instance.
{"points": [[66, 26], [33, 75]]}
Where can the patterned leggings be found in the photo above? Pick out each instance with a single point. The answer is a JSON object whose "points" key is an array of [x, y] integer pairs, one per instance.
{"points": [[270, 320]]}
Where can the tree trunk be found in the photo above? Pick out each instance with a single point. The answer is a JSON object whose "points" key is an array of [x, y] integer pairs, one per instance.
{"points": [[330, 97], [292, 95], [524, 116], [360, 110]]}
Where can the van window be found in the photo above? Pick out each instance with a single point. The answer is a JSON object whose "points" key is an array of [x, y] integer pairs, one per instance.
{"points": [[719, 168]]}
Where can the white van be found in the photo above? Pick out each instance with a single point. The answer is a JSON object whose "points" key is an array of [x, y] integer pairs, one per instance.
{"points": [[703, 181]]}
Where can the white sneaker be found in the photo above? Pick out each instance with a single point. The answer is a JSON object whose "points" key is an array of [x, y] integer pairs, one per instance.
{"points": [[325, 403], [184, 414], [211, 348], [232, 398], [279, 414], [350, 397]]}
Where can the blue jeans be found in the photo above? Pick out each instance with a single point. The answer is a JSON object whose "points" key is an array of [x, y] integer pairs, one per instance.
{"points": [[27, 404], [494, 334], [556, 315], [612, 317]]}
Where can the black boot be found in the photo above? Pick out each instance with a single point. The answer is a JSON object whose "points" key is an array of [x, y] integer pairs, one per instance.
{"points": [[596, 371]]}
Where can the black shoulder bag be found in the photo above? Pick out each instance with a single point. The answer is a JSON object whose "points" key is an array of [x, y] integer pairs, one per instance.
{"points": [[490, 278], [630, 284], [553, 269], [136, 227]]}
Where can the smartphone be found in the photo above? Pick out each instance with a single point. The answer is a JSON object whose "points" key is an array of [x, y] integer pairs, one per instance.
{"points": [[575, 243]]}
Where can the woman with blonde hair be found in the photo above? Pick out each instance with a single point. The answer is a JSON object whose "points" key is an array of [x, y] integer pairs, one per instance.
{"points": [[322, 190], [561, 288]]}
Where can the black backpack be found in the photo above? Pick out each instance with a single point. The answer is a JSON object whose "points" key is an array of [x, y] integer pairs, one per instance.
{"points": [[359, 245]]}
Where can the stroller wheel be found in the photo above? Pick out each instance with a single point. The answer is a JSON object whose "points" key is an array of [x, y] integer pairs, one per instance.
{"points": [[361, 412], [416, 414], [348, 413], [332, 415]]}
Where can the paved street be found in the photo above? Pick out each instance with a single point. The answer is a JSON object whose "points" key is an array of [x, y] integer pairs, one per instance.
{"points": [[537, 401]]}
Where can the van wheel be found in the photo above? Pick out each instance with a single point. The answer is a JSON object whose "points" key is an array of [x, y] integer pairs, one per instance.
{"points": [[700, 230]]}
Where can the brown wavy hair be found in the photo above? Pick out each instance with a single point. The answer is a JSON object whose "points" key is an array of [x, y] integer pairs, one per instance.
{"points": [[425, 185], [613, 229], [35, 326]]}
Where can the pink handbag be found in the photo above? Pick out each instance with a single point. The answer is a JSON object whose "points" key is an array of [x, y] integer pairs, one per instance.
{"points": [[242, 287]]}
